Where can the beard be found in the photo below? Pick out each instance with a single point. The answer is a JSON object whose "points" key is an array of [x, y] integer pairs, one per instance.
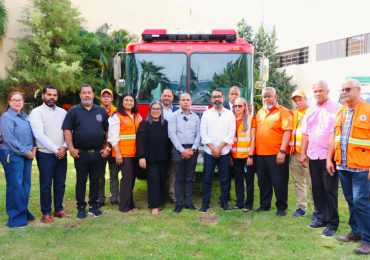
{"points": [[269, 106], [217, 104], [50, 103], [87, 102]]}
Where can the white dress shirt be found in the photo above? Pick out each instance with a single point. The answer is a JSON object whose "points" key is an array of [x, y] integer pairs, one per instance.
{"points": [[217, 127], [113, 130]]}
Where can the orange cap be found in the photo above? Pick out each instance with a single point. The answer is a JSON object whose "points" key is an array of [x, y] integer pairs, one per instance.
{"points": [[298, 93], [106, 90]]}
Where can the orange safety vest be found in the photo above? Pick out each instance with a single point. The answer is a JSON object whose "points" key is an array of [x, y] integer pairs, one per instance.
{"points": [[242, 140], [110, 110], [358, 150], [127, 135], [295, 143]]}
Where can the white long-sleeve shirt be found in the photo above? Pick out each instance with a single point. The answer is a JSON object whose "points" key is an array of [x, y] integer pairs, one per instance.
{"points": [[217, 127], [46, 123]]}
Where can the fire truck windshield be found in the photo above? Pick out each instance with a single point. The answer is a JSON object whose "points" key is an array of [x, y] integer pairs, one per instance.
{"points": [[219, 70], [147, 74]]}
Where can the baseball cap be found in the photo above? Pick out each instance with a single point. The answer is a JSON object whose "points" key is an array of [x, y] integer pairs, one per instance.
{"points": [[298, 93], [106, 90]]}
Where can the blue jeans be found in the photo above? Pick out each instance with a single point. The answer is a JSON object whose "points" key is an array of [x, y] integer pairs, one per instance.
{"points": [[223, 164], [18, 185], [356, 190], [52, 173]]}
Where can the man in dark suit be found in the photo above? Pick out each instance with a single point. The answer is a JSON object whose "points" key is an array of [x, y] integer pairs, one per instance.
{"points": [[234, 93]]}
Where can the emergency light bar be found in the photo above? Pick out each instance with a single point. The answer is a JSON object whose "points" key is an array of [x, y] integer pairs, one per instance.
{"points": [[150, 35]]}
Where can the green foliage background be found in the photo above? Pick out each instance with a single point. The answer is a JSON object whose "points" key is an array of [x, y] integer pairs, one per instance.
{"points": [[3, 19], [265, 44]]}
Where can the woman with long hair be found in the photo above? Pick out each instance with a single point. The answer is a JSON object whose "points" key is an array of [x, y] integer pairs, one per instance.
{"points": [[123, 125], [16, 154], [153, 150], [242, 155]]}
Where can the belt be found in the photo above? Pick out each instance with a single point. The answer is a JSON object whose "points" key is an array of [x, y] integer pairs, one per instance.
{"points": [[186, 146], [92, 150]]}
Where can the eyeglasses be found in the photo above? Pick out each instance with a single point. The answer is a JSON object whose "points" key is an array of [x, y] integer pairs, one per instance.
{"points": [[346, 90], [216, 97], [239, 106], [16, 100]]}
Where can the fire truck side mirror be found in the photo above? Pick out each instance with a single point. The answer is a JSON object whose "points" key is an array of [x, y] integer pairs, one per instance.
{"points": [[120, 87], [264, 69], [259, 84], [117, 67]]}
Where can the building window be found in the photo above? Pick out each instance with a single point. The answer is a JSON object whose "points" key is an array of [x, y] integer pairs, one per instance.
{"points": [[297, 56], [331, 50], [356, 45]]}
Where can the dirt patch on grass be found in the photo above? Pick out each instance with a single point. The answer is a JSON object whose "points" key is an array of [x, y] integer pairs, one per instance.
{"points": [[73, 224], [211, 218]]}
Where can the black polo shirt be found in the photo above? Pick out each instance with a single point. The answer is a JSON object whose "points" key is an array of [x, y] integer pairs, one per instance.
{"points": [[88, 126]]}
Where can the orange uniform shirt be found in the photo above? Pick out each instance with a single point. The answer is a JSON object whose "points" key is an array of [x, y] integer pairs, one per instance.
{"points": [[270, 129], [110, 110]]}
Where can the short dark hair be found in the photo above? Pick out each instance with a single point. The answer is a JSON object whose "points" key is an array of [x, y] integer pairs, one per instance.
{"points": [[121, 109], [218, 90], [46, 87], [87, 86]]}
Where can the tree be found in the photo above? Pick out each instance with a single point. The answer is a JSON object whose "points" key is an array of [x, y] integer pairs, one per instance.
{"points": [[99, 49], [265, 44], [50, 53], [3, 19], [245, 31]]}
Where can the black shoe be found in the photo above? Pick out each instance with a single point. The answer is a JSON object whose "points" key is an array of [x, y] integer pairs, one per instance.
{"points": [[115, 202], [328, 232], [204, 208], [178, 209], [262, 209], [317, 224], [239, 206], [95, 212], [225, 207], [281, 213], [81, 213], [190, 206], [100, 204]]}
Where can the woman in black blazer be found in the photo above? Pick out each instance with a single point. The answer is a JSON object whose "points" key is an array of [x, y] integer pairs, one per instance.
{"points": [[153, 151]]}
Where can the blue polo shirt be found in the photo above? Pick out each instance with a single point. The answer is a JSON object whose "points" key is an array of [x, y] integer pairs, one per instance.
{"points": [[88, 126]]}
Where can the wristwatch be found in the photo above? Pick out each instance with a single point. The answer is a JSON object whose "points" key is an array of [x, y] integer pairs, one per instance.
{"points": [[250, 156], [282, 151]]}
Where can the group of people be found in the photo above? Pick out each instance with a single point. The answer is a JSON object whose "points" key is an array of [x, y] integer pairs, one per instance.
{"points": [[319, 144]]}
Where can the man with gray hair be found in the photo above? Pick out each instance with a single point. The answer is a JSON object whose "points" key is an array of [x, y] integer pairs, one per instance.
{"points": [[317, 127], [234, 93], [274, 128], [349, 145]]}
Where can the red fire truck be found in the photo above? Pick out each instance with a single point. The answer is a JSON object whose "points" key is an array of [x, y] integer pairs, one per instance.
{"points": [[193, 63]]}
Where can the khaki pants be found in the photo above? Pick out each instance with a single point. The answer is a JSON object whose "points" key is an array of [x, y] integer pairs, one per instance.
{"points": [[302, 180]]}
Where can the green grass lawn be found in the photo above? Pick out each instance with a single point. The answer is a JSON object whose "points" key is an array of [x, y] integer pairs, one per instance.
{"points": [[189, 234]]}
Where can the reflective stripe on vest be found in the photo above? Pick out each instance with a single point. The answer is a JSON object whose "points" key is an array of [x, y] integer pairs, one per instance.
{"points": [[360, 142], [125, 137], [295, 142], [234, 149]]}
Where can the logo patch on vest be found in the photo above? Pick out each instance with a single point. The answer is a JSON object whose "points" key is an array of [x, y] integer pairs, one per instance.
{"points": [[363, 118], [99, 118]]}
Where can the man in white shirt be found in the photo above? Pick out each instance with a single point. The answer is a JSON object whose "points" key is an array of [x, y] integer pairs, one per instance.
{"points": [[46, 122], [217, 129]]}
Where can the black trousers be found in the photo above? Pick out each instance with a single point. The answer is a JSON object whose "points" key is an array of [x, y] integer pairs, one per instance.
{"points": [[126, 198], [184, 172], [241, 176], [157, 179], [272, 176], [89, 165], [325, 193]]}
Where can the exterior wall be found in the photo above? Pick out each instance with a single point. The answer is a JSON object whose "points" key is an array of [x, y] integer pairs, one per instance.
{"points": [[333, 71]]}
